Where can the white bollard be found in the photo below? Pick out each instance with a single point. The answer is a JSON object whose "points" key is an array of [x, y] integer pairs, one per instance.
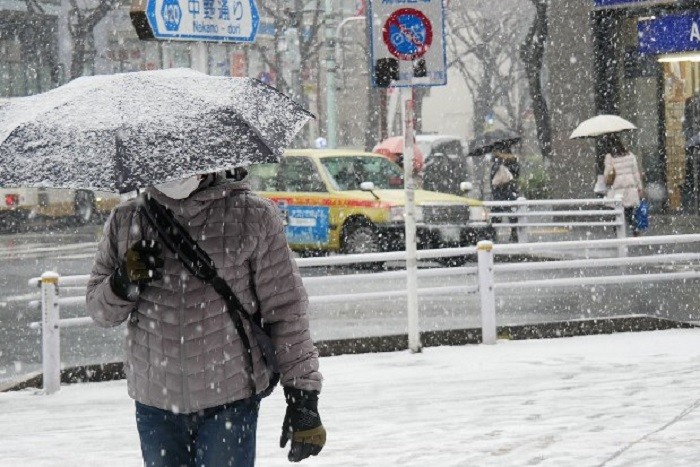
{"points": [[522, 218], [487, 294], [50, 333]]}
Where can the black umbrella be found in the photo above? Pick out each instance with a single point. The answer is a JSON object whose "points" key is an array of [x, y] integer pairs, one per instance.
{"points": [[493, 140], [131, 130]]}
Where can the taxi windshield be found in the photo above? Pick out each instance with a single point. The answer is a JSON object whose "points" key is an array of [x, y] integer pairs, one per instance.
{"points": [[346, 173]]}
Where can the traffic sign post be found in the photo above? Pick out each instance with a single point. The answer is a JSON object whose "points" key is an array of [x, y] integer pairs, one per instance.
{"points": [[408, 50], [408, 43], [196, 20]]}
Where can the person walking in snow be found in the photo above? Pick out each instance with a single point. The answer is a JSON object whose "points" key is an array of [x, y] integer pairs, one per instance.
{"points": [[196, 399], [622, 177], [505, 171]]}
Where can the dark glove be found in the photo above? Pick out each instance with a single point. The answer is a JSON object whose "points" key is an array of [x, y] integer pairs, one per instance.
{"points": [[142, 263], [302, 425]]}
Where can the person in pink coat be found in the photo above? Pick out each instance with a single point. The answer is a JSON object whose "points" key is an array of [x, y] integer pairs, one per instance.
{"points": [[622, 176]]}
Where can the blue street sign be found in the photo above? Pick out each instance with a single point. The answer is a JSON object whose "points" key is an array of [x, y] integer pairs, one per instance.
{"points": [[408, 34], [204, 20], [407, 46], [669, 34]]}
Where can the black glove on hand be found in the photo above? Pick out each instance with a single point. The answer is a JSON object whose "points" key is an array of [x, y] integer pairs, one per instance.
{"points": [[302, 425], [142, 263]]}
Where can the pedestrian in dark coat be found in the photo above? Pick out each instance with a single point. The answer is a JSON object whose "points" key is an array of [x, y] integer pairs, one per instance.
{"points": [[505, 172]]}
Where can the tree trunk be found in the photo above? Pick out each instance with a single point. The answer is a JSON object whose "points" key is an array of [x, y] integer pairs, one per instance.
{"points": [[81, 25], [532, 55]]}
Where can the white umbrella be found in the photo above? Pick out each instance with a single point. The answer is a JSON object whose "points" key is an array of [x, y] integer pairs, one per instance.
{"points": [[601, 125]]}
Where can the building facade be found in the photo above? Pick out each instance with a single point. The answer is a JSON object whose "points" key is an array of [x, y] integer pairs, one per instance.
{"points": [[639, 59]]}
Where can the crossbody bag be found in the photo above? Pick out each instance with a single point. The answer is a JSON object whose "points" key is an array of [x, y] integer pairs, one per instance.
{"points": [[178, 240]]}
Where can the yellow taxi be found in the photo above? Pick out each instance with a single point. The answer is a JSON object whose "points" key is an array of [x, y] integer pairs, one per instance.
{"points": [[353, 202]]}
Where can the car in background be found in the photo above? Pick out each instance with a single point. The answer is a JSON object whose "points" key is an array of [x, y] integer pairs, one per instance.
{"points": [[18, 204], [353, 202], [446, 164]]}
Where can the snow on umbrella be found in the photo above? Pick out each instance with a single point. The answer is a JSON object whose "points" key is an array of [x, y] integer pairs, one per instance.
{"points": [[131, 130], [492, 140], [601, 125], [393, 146]]}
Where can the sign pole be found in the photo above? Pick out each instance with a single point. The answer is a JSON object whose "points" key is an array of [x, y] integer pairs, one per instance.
{"points": [[408, 50], [331, 109], [414, 343]]}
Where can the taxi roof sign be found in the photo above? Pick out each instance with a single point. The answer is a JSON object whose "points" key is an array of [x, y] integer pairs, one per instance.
{"points": [[408, 43]]}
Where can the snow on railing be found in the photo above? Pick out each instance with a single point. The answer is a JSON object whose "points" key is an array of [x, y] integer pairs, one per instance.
{"points": [[486, 251]]}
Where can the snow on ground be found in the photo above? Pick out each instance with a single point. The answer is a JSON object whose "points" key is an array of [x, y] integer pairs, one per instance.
{"points": [[615, 400]]}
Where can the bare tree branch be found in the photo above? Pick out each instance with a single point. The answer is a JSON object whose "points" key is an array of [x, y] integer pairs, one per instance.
{"points": [[481, 48]]}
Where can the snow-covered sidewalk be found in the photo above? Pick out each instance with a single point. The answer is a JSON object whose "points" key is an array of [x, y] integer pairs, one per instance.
{"points": [[625, 399]]}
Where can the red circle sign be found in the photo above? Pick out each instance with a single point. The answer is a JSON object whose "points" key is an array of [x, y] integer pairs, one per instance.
{"points": [[408, 33]]}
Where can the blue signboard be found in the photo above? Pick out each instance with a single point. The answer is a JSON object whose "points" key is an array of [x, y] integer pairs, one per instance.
{"points": [[669, 34], [307, 224], [204, 20]]}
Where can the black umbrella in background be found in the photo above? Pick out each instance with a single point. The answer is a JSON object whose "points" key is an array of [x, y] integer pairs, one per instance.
{"points": [[132, 130], [493, 140]]}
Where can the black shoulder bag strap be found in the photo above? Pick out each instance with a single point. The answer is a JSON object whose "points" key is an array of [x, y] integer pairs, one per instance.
{"points": [[178, 240]]}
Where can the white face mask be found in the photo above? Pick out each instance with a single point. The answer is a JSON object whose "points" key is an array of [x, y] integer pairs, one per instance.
{"points": [[179, 189]]}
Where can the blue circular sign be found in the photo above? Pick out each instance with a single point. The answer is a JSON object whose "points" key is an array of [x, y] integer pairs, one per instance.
{"points": [[172, 14], [408, 33]]}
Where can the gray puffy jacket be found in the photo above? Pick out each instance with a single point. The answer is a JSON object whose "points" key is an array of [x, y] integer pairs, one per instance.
{"points": [[183, 352]]}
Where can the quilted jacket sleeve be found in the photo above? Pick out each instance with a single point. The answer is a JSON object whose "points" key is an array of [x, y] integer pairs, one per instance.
{"points": [[106, 308], [283, 304]]}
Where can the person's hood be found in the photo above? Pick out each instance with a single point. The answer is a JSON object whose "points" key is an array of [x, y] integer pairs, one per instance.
{"points": [[188, 207]]}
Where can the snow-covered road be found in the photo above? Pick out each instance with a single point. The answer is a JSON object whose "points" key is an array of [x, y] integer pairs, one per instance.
{"points": [[628, 399]]}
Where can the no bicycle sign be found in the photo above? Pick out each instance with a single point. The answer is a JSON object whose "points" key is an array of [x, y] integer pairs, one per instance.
{"points": [[408, 47], [408, 34]]}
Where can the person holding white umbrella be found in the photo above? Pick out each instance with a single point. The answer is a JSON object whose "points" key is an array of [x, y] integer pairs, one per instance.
{"points": [[600, 126], [622, 177]]}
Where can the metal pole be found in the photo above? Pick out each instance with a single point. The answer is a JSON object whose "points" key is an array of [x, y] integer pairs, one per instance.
{"points": [[331, 64], [333, 61], [487, 295], [414, 342], [50, 333]]}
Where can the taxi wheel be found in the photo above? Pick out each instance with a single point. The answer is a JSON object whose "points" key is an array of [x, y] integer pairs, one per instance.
{"points": [[360, 236]]}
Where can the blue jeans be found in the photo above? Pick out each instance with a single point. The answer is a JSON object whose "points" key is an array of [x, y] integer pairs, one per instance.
{"points": [[219, 436]]}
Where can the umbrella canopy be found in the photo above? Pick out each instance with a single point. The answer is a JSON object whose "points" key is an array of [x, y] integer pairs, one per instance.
{"points": [[392, 147], [488, 142], [601, 125], [131, 130]]}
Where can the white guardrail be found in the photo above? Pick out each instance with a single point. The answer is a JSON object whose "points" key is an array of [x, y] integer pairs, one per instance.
{"points": [[486, 284], [525, 214]]}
